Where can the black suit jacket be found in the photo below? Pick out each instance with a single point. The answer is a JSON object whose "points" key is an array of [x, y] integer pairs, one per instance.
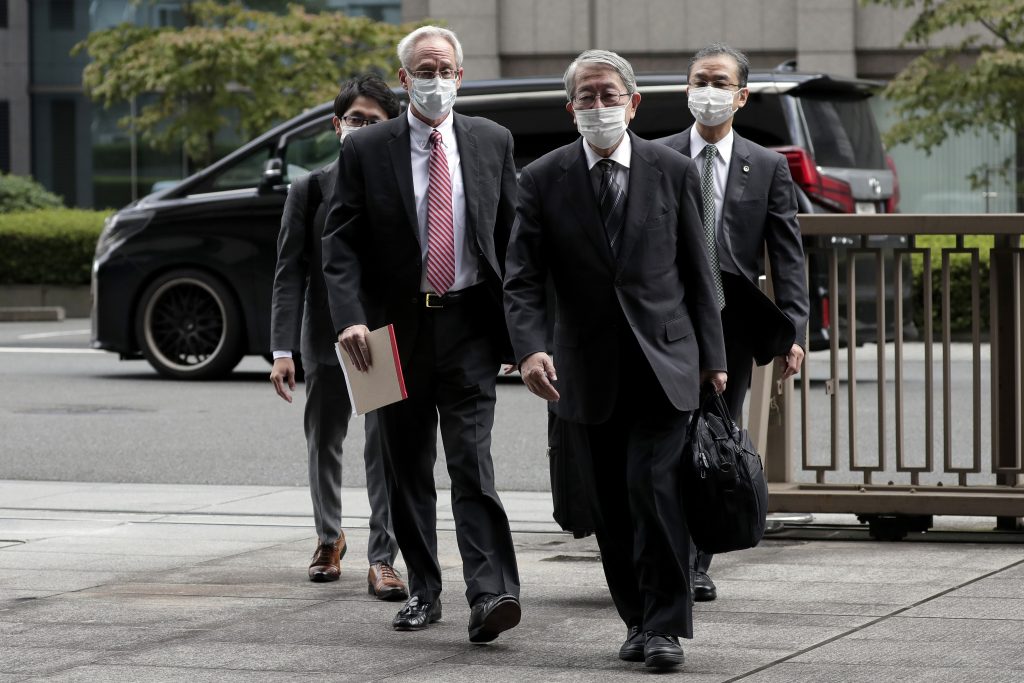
{"points": [[660, 283], [760, 211], [298, 279], [371, 253]]}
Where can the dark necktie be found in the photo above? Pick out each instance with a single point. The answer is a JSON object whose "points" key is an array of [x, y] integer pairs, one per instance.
{"points": [[707, 190], [612, 202], [440, 231]]}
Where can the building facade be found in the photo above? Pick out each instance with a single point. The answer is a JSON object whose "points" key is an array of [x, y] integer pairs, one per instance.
{"points": [[50, 130]]}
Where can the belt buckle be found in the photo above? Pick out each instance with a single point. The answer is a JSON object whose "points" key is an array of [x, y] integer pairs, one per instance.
{"points": [[436, 298]]}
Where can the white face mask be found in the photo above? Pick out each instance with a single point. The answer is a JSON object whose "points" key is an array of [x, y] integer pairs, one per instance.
{"points": [[601, 127], [433, 97], [711, 106], [346, 130]]}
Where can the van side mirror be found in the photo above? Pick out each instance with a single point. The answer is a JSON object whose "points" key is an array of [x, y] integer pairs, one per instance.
{"points": [[273, 177]]}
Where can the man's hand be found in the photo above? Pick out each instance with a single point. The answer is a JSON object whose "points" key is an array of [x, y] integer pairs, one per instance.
{"points": [[353, 341], [791, 362], [507, 368], [717, 379], [283, 373], [538, 373]]}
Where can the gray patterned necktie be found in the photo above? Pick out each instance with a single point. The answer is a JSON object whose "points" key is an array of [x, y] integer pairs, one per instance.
{"points": [[707, 191], [612, 202]]}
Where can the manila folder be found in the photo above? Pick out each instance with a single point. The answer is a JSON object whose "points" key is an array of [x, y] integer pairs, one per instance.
{"points": [[382, 384]]}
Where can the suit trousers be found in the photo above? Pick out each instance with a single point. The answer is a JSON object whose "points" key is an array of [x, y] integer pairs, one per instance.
{"points": [[326, 423], [450, 376], [631, 466], [739, 361]]}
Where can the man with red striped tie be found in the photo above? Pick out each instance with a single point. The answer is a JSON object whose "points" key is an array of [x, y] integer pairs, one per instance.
{"points": [[416, 237]]}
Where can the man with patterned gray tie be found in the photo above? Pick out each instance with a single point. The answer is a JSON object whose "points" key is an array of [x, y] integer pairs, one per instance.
{"points": [[748, 205]]}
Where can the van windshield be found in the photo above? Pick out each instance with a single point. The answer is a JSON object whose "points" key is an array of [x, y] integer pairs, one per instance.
{"points": [[842, 132]]}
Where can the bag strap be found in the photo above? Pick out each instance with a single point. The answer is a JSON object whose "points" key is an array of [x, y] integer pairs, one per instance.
{"points": [[714, 404]]}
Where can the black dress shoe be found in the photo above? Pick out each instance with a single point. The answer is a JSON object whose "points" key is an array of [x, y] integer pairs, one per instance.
{"points": [[633, 649], [417, 614], [662, 651], [703, 588], [491, 615]]}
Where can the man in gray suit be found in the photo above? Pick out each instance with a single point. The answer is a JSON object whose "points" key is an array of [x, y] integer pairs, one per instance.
{"points": [[748, 204], [614, 221], [299, 285]]}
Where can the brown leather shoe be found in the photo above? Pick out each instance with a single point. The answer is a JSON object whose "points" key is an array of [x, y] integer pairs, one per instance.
{"points": [[384, 583], [326, 562]]}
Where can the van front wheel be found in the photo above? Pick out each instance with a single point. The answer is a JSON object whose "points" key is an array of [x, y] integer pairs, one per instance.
{"points": [[188, 326]]}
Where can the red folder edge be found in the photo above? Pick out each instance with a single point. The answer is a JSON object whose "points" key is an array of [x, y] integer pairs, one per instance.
{"points": [[398, 362]]}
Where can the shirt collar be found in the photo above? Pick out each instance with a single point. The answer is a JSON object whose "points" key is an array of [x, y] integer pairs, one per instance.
{"points": [[420, 132], [621, 155], [724, 146]]}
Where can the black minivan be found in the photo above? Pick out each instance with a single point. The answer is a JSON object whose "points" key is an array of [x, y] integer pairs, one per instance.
{"points": [[183, 276]]}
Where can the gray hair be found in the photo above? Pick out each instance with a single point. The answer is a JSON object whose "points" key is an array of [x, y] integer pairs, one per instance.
{"points": [[715, 49], [606, 58], [407, 45]]}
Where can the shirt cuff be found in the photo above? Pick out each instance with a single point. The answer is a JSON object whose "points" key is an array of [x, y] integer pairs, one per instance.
{"points": [[282, 354]]}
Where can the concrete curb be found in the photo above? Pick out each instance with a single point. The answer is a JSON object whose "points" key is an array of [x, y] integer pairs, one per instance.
{"points": [[11, 314], [75, 300]]}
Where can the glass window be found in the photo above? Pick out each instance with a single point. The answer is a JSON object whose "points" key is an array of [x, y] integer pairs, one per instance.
{"points": [[62, 15], [843, 132], [3, 13], [309, 149], [5, 136], [241, 174]]}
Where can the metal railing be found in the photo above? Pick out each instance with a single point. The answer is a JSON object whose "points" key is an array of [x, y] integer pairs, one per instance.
{"points": [[874, 451]]}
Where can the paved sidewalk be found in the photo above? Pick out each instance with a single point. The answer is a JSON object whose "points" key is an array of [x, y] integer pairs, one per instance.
{"points": [[128, 582]]}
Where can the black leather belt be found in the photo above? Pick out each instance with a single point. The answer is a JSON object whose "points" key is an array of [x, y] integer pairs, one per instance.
{"points": [[432, 300]]}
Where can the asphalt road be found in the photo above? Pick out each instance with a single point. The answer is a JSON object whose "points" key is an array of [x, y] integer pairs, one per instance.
{"points": [[72, 414]]}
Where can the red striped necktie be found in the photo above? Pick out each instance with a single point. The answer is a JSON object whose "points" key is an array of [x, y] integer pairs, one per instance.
{"points": [[440, 231]]}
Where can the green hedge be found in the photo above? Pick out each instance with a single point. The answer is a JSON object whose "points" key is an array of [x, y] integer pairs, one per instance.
{"points": [[20, 193], [48, 247], [960, 281]]}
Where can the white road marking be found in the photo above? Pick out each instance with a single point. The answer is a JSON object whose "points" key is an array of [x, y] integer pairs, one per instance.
{"points": [[47, 335], [26, 349]]}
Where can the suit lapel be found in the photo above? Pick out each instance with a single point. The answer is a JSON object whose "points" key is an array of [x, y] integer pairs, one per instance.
{"points": [[580, 193], [736, 183], [401, 160], [644, 179], [469, 159], [685, 147]]}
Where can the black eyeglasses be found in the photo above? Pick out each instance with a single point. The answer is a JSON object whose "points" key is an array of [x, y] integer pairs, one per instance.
{"points": [[446, 74], [721, 85], [588, 99], [359, 121]]}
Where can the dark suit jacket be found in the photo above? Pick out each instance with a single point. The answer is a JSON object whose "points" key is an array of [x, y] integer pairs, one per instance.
{"points": [[371, 251], [660, 282], [760, 210], [298, 280]]}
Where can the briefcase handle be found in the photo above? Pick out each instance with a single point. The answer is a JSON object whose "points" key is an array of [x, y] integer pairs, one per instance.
{"points": [[712, 403]]}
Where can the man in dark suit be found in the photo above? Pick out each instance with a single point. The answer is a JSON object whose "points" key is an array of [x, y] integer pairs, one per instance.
{"points": [[614, 220], [299, 286], [749, 203], [416, 237]]}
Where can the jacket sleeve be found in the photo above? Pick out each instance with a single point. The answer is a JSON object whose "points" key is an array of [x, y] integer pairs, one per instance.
{"points": [[526, 271], [786, 251], [698, 283], [343, 239], [292, 271]]}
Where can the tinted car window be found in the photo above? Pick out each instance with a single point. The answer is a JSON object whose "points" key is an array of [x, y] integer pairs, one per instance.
{"points": [[243, 173], [763, 120], [843, 132], [309, 149]]}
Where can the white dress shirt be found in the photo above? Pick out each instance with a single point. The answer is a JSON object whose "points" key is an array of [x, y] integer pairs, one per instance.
{"points": [[620, 156], [467, 271], [721, 177]]}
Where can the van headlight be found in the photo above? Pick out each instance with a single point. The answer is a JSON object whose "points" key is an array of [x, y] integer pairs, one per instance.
{"points": [[119, 227]]}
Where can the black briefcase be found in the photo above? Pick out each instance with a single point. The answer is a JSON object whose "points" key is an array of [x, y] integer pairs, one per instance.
{"points": [[569, 495], [725, 494]]}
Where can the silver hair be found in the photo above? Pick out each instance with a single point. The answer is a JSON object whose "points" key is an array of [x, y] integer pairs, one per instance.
{"points": [[610, 59], [407, 45]]}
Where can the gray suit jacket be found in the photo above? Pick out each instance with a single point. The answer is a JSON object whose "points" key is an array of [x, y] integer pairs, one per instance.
{"points": [[760, 211], [660, 280], [299, 280]]}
